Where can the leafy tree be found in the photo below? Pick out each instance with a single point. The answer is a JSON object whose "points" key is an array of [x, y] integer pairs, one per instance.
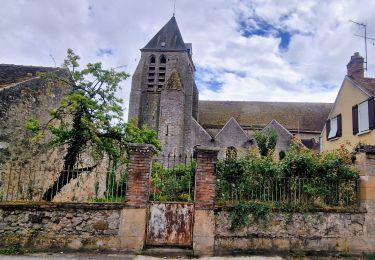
{"points": [[266, 141], [89, 116]]}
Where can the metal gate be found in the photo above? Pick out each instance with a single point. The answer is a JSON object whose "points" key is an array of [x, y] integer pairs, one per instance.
{"points": [[170, 223]]}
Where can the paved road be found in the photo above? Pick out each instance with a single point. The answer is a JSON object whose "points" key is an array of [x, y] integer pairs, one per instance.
{"points": [[118, 256], [78, 256]]}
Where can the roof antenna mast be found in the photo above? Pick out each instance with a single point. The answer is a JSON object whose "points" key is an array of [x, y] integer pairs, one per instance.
{"points": [[364, 26]]}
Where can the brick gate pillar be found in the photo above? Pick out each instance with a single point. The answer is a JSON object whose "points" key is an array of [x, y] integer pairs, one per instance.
{"points": [[134, 215], [205, 183]]}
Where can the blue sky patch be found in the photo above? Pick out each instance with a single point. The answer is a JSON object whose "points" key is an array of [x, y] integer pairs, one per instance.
{"points": [[285, 40], [257, 26], [101, 52], [207, 78]]}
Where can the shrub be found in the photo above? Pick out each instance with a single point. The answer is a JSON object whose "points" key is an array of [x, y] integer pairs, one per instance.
{"points": [[10, 250], [174, 184], [266, 141], [302, 176]]}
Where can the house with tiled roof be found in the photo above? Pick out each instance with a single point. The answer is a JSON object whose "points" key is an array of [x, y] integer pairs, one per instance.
{"points": [[352, 118], [165, 97]]}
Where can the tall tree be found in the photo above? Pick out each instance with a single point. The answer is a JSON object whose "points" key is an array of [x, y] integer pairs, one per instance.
{"points": [[89, 116]]}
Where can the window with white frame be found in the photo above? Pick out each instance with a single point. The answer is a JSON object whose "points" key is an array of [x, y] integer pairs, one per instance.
{"points": [[334, 127], [363, 117], [333, 130]]}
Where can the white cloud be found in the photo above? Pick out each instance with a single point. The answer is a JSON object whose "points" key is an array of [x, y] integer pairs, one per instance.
{"points": [[320, 47]]}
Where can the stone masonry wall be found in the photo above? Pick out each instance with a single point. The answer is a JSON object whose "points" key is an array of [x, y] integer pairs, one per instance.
{"points": [[60, 226], [36, 164], [171, 129], [34, 99], [314, 232]]}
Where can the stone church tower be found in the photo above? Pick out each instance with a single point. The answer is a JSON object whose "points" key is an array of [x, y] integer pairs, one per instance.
{"points": [[163, 93], [164, 96]]}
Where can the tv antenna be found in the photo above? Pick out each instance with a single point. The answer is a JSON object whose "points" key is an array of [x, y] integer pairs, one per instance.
{"points": [[364, 26]]}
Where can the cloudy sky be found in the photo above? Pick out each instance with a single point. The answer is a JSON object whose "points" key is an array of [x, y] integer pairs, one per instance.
{"points": [[243, 50]]}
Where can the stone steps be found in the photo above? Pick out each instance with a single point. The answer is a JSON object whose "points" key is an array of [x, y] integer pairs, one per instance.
{"points": [[162, 251]]}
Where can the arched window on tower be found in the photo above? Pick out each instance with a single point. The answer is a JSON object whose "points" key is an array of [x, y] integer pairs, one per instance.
{"points": [[161, 74], [163, 60], [152, 59], [151, 74]]}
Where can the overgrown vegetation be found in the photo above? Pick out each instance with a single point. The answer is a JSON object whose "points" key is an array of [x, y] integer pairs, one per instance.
{"points": [[89, 121], [266, 141], [33, 231], [11, 250], [173, 184], [239, 215], [370, 256], [303, 179]]}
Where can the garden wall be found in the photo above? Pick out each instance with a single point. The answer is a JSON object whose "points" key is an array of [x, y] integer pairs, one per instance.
{"points": [[60, 226], [121, 226], [296, 232]]}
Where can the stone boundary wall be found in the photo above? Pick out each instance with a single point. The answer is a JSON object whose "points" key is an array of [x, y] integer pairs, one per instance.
{"points": [[63, 226], [293, 232], [122, 226]]}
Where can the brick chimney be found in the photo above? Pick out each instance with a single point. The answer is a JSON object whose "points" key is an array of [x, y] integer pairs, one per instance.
{"points": [[355, 66]]}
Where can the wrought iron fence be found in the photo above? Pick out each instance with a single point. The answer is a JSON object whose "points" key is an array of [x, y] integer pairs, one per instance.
{"points": [[311, 191], [173, 178], [72, 185]]}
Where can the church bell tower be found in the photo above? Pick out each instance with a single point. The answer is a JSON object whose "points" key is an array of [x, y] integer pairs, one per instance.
{"points": [[163, 93]]}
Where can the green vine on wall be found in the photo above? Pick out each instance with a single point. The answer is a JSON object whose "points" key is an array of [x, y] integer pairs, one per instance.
{"points": [[239, 214]]}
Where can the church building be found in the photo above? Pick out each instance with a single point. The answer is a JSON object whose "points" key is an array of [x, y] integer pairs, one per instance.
{"points": [[165, 97]]}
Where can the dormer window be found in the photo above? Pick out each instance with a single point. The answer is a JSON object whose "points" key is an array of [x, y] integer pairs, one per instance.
{"points": [[162, 44], [334, 127]]}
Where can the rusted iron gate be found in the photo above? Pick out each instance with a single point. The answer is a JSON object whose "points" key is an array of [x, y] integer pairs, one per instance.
{"points": [[170, 223]]}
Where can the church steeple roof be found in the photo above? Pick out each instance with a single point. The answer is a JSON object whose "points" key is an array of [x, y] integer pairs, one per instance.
{"points": [[168, 38]]}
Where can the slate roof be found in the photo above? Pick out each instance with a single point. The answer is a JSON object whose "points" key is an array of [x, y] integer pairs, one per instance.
{"points": [[170, 35], [256, 114], [368, 84], [274, 123], [11, 74]]}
